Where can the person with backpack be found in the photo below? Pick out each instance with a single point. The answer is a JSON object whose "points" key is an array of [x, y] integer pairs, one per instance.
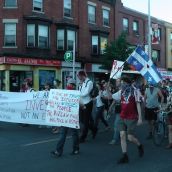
{"points": [[86, 105]]}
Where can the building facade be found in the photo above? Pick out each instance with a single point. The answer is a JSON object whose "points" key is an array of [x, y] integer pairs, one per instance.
{"points": [[35, 36]]}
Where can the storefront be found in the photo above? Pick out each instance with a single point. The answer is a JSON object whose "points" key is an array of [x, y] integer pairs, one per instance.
{"points": [[13, 71], [67, 71], [95, 72]]}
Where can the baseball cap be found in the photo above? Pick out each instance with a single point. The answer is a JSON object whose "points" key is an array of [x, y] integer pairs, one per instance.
{"points": [[71, 81]]}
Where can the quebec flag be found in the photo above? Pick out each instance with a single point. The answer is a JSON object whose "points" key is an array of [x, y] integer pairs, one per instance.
{"points": [[142, 63]]}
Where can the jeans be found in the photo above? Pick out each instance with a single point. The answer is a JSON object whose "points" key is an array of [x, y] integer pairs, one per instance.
{"points": [[116, 135], [62, 138], [100, 115]]}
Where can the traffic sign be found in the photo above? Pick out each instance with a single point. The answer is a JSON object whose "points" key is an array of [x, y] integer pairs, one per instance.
{"points": [[68, 56]]}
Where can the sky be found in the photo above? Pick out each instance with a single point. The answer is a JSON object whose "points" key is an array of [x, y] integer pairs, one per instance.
{"points": [[160, 9]]}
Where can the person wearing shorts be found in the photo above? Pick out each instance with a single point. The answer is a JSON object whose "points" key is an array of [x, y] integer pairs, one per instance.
{"points": [[151, 106], [130, 115]]}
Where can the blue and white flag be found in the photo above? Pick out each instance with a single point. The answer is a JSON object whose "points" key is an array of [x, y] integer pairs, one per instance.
{"points": [[142, 63]]}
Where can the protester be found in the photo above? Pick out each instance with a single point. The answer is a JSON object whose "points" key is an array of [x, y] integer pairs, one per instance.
{"points": [[71, 85], [130, 115], [28, 85], [169, 119], [115, 109], [56, 85], [151, 106], [100, 110], [86, 103]]}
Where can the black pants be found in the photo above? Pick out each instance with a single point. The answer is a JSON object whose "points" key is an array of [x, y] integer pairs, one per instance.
{"points": [[87, 120]]}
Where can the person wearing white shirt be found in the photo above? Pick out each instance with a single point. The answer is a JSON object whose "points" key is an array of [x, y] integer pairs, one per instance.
{"points": [[100, 107], [86, 104]]}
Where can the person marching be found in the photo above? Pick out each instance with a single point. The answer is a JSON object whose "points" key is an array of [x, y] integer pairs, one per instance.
{"points": [[86, 105], [130, 115], [71, 85]]}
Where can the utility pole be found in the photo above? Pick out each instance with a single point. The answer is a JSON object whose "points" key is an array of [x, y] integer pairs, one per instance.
{"points": [[149, 31]]}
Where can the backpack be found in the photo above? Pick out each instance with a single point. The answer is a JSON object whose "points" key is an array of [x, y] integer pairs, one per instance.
{"points": [[95, 91]]}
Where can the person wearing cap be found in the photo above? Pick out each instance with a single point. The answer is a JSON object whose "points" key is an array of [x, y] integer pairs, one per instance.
{"points": [[71, 85], [130, 115], [151, 98]]}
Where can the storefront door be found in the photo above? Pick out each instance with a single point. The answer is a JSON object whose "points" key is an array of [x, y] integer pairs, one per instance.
{"points": [[17, 78]]}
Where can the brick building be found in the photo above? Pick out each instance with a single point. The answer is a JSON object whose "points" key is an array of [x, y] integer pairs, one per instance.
{"points": [[35, 34]]}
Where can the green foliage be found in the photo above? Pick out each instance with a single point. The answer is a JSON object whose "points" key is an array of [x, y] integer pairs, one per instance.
{"points": [[119, 49]]}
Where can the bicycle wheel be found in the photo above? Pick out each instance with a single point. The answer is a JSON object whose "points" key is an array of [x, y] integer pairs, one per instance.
{"points": [[158, 133]]}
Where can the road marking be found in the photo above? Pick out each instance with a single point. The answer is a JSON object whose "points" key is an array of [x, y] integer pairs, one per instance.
{"points": [[43, 141], [50, 140]]}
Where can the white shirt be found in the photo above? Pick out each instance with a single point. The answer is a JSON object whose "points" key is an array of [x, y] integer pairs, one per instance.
{"points": [[99, 102], [85, 90], [117, 96]]}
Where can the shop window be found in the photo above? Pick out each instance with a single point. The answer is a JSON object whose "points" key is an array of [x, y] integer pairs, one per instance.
{"points": [[10, 3], [10, 35], [125, 25], [46, 76], [136, 27], [67, 8], [91, 14], [38, 36], [38, 5], [66, 39], [17, 79], [99, 43], [106, 16], [2, 80]]}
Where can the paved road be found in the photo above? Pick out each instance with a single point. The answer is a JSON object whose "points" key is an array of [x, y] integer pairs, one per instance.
{"points": [[28, 150]]}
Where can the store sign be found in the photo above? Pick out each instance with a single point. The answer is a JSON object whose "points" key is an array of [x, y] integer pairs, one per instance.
{"points": [[29, 61]]}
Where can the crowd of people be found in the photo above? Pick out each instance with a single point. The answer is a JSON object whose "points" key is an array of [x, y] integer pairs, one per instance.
{"points": [[126, 99]]}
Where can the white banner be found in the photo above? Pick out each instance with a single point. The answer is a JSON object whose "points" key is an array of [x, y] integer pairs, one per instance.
{"points": [[63, 108], [117, 68], [31, 107]]}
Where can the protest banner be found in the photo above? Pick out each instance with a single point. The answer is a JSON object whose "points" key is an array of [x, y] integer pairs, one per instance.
{"points": [[117, 68], [32, 108], [63, 108], [28, 108]]}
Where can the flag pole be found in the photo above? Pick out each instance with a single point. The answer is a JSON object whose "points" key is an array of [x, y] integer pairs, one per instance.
{"points": [[149, 31], [73, 65]]}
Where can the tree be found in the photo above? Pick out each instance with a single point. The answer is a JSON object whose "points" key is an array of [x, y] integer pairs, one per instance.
{"points": [[119, 49]]}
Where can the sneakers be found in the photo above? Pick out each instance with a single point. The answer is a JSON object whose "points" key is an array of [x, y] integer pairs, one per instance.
{"points": [[55, 154], [123, 160], [75, 152], [140, 150]]}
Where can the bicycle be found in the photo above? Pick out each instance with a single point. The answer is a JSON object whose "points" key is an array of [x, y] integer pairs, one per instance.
{"points": [[160, 131]]}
